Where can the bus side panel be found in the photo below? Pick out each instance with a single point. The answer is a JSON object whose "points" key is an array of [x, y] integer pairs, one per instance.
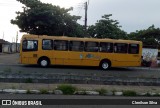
{"points": [[74, 58], [105, 56], [126, 60], [60, 57], [91, 59], [47, 53], [29, 58], [24, 60]]}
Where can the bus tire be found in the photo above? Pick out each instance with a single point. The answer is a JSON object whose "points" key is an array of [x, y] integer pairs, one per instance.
{"points": [[105, 64], [44, 62]]}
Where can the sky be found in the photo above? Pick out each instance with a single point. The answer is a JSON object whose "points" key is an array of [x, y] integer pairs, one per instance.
{"points": [[131, 14]]}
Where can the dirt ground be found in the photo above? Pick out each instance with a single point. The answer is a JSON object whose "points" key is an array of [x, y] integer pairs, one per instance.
{"points": [[9, 59]]}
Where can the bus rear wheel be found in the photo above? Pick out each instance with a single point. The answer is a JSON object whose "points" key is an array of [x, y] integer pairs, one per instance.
{"points": [[44, 62], [105, 64]]}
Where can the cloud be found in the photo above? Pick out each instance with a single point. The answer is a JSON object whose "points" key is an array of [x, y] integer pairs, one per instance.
{"points": [[132, 14]]}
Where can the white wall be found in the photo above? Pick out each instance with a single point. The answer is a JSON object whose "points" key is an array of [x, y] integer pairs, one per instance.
{"points": [[149, 54]]}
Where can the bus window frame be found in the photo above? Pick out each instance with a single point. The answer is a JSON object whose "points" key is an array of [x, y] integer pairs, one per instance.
{"points": [[29, 50], [111, 49], [54, 45], [81, 46], [120, 52], [85, 49], [129, 50], [52, 42]]}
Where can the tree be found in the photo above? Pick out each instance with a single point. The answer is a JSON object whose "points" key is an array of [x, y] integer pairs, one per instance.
{"points": [[107, 28], [149, 36], [46, 19]]}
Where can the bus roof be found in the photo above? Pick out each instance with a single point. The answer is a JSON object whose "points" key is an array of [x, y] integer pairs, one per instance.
{"points": [[27, 36]]}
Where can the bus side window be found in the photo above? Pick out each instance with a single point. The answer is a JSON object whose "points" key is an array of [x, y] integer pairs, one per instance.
{"points": [[35, 45], [47, 44], [61, 45], [91, 46], [115, 48], [106, 47], [120, 48], [24, 45], [30, 45], [133, 49], [76, 46]]}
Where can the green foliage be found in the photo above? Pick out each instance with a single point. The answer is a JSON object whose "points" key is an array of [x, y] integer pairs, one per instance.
{"points": [[107, 28], [113, 91], [149, 37], [129, 93], [44, 91], [102, 91], [47, 19], [19, 72], [148, 94], [13, 87], [28, 80], [28, 91], [156, 94], [67, 89]]}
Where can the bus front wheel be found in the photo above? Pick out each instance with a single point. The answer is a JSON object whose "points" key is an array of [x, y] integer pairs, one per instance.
{"points": [[105, 64], [44, 62]]}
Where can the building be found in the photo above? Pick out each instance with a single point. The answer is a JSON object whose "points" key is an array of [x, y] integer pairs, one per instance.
{"points": [[2, 42], [7, 47]]}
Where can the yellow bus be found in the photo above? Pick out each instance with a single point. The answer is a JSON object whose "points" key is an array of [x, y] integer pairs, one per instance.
{"points": [[62, 50]]}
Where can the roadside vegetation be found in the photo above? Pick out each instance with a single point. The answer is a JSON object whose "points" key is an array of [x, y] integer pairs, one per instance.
{"points": [[67, 89], [129, 93]]}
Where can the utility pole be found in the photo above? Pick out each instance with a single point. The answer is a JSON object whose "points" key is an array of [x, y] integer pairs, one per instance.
{"points": [[16, 40], [3, 36], [85, 22], [86, 13]]}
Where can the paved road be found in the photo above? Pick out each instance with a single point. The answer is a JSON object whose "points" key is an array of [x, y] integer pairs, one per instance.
{"points": [[9, 63], [116, 72]]}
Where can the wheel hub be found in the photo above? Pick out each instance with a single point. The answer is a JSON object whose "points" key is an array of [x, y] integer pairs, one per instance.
{"points": [[105, 65], [44, 63]]}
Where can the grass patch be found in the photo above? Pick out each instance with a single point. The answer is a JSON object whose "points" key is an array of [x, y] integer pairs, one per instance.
{"points": [[19, 72], [44, 91], [28, 91], [129, 93], [113, 91], [102, 91], [148, 94], [28, 80], [13, 87], [67, 89]]}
